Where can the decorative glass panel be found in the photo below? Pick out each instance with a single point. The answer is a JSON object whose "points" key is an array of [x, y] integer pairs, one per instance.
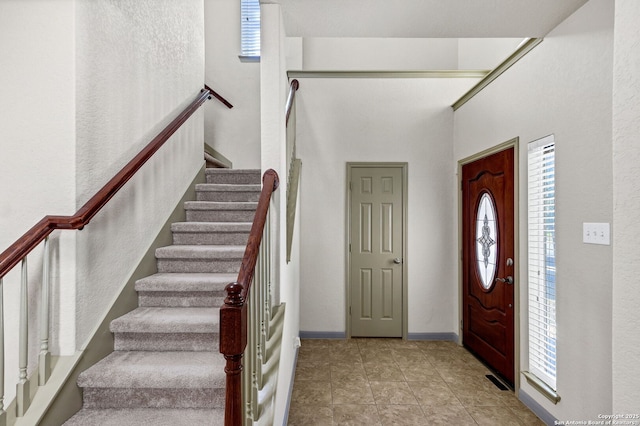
{"points": [[486, 240]]}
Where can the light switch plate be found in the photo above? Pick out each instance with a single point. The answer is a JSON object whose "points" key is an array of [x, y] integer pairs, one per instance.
{"points": [[596, 233]]}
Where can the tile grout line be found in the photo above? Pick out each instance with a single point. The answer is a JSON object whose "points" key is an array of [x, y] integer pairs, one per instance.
{"points": [[392, 356]]}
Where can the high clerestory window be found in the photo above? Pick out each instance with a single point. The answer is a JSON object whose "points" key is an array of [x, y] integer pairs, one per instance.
{"points": [[250, 29], [542, 260]]}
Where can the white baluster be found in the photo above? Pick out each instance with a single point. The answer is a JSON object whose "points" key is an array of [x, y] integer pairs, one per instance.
{"points": [[269, 264], [249, 360], [3, 413], [257, 326], [44, 359], [267, 277], [247, 379], [264, 289], [251, 391], [22, 388]]}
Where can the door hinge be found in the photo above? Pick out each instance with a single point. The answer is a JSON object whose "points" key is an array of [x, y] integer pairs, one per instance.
{"points": [[350, 186], [349, 310], [349, 247]]}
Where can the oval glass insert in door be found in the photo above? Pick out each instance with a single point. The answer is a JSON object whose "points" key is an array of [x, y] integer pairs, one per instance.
{"points": [[486, 240]]}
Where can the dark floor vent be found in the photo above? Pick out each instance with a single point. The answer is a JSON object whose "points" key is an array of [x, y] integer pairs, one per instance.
{"points": [[496, 382]]}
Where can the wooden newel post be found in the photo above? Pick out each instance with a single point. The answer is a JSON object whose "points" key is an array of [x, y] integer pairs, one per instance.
{"points": [[233, 340]]}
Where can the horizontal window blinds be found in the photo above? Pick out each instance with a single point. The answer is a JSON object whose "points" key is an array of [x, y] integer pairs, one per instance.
{"points": [[542, 260], [250, 27]]}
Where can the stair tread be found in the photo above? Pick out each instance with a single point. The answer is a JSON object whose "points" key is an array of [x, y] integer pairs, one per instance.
{"points": [[232, 171], [231, 187], [156, 370], [220, 205], [168, 349], [233, 176], [220, 211], [168, 320], [147, 417], [188, 281], [200, 252], [211, 226]]}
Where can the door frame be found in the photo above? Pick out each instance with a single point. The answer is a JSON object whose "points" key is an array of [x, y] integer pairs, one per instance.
{"points": [[405, 192], [515, 144]]}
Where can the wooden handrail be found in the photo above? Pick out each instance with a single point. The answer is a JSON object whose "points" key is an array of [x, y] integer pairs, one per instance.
{"points": [[30, 240], [270, 182], [293, 88], [233, 314], [218, 97]]}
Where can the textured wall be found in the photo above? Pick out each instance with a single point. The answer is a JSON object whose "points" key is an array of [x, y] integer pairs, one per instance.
{"points": [[84, 85], [563, 87], [138, 63], [626, 208], [37, 162]]}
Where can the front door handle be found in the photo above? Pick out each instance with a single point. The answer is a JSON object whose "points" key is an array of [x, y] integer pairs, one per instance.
{"points": [[397, 261], [507, 280]]}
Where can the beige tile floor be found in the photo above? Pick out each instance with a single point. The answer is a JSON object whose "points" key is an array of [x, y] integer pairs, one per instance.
{"points": [[396, 382]]}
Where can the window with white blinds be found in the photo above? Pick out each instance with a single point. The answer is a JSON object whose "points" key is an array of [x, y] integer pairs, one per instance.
{"points": [[250, 28], [542, 260]]}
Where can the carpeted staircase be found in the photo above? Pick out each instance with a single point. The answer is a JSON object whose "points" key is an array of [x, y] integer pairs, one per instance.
{"points": [[166, 368]]}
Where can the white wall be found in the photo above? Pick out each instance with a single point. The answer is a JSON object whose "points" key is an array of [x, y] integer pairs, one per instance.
{"points": [[626, 207], [273, 94], [563, 87], [402, 54], [138, 63], [393, 120], [235, 133], [37, 162], [379, 54], [484, 53]]}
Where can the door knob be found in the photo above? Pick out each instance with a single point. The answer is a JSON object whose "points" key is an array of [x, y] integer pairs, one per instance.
{"points": [[508, 280], [397, 261]]}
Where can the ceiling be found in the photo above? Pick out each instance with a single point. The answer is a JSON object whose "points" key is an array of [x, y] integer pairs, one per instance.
{"points": [[424, 18]]}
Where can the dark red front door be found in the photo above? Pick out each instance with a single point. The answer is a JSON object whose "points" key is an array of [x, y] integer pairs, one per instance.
{"points": [[488, 259]]}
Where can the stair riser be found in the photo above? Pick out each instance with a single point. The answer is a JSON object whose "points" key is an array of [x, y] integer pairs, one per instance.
{"points": [[230, 196], [167, 342], [180, 299], [199, 265], [210, 238], [220, 215], [160, 353], [153, 398], [233, 178], [148, 417]]}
